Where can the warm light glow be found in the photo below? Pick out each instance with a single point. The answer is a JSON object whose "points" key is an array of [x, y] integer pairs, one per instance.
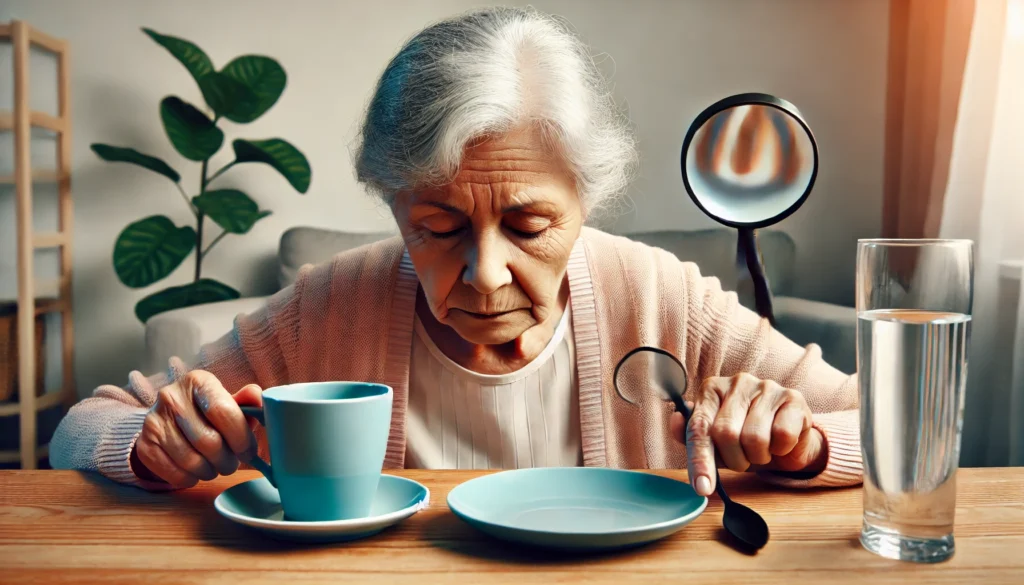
{"points": [[1015, 19]]}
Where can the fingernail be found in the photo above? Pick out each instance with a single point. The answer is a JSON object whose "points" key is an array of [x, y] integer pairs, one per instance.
{"points": [[703, 485], [202, 401]]}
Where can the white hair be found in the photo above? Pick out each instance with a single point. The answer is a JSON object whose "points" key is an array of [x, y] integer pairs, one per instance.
{"points": [[484, 73]]}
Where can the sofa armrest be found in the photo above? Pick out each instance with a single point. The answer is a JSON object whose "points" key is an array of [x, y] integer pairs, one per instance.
{"points": [[833, 327], [182, 332]]}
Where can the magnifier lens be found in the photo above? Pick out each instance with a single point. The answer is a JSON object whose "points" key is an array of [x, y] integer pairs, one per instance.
{"points": [[749, 160]]}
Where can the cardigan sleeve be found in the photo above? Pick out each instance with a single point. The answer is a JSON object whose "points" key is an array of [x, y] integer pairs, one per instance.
{"points": [[732, 339], [99, 433]]}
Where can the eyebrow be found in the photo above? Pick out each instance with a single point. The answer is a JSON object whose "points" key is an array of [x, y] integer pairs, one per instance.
{"points": [[443, 206], [508, 209]]}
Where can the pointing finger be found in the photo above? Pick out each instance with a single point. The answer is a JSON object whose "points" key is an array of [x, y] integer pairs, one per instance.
{"points": [[700, 450]]}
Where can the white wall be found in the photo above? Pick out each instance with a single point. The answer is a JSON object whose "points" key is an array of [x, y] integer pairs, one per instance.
{"points": [[670, 59]]}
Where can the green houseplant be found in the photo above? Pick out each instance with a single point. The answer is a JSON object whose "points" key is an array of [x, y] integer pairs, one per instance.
{"points": [[149, 249]]}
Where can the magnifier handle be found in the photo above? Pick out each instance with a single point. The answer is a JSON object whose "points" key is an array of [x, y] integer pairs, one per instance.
{"points": [[762, 294]]}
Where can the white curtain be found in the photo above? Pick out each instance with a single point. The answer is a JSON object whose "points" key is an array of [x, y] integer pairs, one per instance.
{"points": [[985, 202]]}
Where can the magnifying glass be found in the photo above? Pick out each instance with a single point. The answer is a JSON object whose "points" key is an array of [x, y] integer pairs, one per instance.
{"points": [[749, 161]]}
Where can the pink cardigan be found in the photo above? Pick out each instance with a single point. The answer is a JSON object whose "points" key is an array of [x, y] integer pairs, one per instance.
{"points": [[352, 319]]}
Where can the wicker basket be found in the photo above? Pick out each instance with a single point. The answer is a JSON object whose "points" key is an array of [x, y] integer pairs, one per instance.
{"points": [[9, 352]]}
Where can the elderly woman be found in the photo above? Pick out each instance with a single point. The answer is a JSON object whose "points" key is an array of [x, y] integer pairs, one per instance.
{"points": [[496, 317]]}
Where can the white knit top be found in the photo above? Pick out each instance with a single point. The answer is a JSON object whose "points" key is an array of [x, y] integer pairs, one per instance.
{"points": [[459, 419]]}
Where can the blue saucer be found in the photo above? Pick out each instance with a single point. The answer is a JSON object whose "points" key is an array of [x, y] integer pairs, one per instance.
{"points": [[576, 508], [257, 505]]}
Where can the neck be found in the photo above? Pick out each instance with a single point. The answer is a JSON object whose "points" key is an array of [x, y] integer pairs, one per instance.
{"points": [[493, 359]]}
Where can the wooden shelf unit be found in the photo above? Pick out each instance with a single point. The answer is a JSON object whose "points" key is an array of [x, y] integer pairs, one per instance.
{"points": [[22, 37]]}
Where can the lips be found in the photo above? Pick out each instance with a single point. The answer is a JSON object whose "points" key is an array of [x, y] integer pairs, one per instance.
{"points": [[485, 315], [504, 301], [488, 315]]}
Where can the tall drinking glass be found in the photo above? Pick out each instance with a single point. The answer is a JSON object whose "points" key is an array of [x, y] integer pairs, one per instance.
{"points": [[914, 300]]}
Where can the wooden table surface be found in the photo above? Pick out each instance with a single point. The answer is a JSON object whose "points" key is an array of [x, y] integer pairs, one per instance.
{"points": [[63, 527]]}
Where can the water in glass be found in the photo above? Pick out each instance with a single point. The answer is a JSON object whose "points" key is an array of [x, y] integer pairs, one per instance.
{"points": [[913, 367]]}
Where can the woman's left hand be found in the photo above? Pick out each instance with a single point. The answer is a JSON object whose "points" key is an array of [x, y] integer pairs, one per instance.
{"points": [[754, 424]]}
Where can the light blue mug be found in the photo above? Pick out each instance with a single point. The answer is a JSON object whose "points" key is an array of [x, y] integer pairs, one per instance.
{"points": [[327, 444]]}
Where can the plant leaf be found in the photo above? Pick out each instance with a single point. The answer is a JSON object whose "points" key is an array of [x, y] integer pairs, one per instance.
{"points": [[130, 155], [231, 209], [193, 135], [204, 290], [264, 77], [191, 56], [279, 154], [226, 95], [150, 249]]}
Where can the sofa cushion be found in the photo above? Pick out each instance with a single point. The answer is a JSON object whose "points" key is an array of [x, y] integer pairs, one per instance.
{"points": [[310, 245], [181, 332], [714, 252]]}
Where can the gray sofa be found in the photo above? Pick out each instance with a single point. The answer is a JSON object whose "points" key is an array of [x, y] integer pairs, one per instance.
{"points": [[182, 332]]}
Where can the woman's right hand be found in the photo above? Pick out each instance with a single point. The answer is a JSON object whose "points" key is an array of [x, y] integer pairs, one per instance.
{"points": [[194, 431]]}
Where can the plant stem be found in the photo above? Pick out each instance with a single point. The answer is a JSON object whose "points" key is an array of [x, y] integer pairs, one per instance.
{"points": [[222, 170], [214, 242], [199, 227], [184, 196], [204, 181], [199, 244]]}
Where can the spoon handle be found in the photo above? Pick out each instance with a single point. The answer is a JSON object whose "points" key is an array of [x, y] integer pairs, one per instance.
{"points": [[687, 412]]}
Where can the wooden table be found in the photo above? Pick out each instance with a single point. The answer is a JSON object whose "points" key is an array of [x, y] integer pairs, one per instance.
{"points": [[62, 527]]}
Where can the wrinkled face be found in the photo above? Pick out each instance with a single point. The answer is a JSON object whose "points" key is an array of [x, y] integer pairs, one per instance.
{"points": [[491, 247]]}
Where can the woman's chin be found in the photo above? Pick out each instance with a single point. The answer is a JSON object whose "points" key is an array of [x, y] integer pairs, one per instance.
{"points": [[491, 330]]}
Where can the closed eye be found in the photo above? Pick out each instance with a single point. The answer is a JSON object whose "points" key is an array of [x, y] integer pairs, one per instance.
{"points": [[443, 235], [526, 225], [527, 235]]}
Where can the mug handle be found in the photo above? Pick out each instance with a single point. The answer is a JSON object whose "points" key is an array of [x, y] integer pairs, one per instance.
{"points": [[262, 466]]}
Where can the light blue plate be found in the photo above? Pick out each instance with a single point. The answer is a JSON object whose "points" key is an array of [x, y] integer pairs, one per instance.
{"points": [[257, 505], [576, 508]]}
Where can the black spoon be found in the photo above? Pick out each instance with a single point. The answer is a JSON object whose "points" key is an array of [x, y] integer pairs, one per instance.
{"points": [[668, 376]]}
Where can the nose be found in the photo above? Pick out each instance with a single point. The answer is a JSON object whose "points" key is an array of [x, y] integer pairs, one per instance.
{"points": [[486, 266]]}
